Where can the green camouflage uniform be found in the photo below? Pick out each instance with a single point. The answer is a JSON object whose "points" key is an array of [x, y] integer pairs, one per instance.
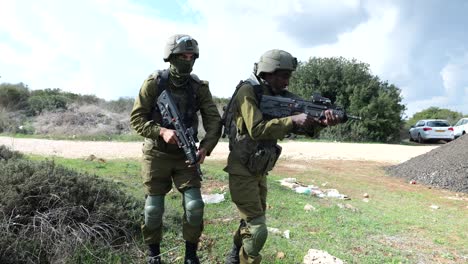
{"points": [[248, 167], [164, 163]]}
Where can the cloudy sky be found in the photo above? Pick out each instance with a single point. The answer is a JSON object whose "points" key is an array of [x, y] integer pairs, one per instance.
{"points": [[108, 48]]}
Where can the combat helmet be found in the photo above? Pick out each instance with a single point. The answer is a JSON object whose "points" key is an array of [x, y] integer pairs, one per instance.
{"points": [[178, 44], [273, 60]]}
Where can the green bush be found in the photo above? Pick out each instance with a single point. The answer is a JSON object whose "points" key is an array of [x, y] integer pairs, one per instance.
{"points": [[39, 103], [14, 96], [48, 212]]}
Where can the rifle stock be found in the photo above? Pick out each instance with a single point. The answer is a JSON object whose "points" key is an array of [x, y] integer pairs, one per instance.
{"points": [[185, 138]]}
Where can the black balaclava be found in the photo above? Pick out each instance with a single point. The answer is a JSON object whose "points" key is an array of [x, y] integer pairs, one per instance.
{"points": [[180, 70]]}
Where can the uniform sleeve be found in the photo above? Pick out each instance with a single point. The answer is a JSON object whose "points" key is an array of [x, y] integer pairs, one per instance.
{"points": [[252, 117], [141, 115], [210, 118]]}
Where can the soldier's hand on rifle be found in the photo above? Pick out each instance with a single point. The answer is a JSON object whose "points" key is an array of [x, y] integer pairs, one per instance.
{"points": [[330, 118], [201, 154], [168, 135], [301, 120]]}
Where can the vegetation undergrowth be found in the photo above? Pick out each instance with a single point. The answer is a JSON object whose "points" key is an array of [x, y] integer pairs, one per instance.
{"points": [[53, 214]]}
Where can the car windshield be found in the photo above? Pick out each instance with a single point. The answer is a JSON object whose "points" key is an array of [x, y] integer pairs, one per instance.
{"points": [[437, 124]]}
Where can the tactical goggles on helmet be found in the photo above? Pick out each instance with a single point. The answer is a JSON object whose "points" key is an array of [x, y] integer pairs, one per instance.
{"points": [[186, 43]]}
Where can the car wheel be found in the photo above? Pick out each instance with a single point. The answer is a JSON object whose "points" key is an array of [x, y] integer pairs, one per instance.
{"points": [[420, 139], [410, 137]]}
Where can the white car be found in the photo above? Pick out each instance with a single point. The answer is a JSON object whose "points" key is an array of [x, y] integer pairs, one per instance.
{"points": [[461, 127], [431, 129]]}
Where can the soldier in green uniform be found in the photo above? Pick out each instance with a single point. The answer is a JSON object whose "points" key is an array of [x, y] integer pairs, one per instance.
{"points": [[164, 163], [256, 150]]}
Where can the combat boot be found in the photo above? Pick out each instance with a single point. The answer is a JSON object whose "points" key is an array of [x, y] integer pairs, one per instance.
{"points": [[233, 256], [154, 252], [191, 253]]}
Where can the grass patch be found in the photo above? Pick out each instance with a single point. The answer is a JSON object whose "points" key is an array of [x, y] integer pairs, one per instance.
{"points": [[126, 173], [396, 225]]}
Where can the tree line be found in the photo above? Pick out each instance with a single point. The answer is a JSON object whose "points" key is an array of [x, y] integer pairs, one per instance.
{"points": [[348, 83]]}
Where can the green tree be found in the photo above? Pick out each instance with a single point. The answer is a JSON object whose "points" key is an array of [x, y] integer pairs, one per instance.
{"points": [[47, 100], [434, 113], [350, 84], [14, 97]]}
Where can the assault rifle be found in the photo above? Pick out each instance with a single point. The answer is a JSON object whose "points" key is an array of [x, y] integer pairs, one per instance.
{"points": [[185, 138], [276, 106]]}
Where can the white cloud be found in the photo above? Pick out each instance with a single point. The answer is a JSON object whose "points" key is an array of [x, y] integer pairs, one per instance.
{"points": [[108, 47], [455, 81], [455, 84], [454, 75]]}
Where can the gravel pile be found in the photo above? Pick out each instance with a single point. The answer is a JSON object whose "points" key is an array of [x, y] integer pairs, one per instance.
{"points": [[444, 167]]}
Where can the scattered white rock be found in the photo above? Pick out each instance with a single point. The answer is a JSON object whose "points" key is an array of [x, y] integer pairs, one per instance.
{"points": [[276, 231], [280, 255], [273, 230], [315, 256], [350, 207], [309, 207], [347, 206], [213, 198], [435, 207], [290, 180]]}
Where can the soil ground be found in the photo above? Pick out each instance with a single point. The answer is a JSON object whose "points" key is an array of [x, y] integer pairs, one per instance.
{"points": [[389, 153]]}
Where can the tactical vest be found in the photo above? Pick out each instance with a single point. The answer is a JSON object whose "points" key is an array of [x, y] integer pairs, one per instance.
{"points": [[192, 105], [228, 120], [258, 156]]}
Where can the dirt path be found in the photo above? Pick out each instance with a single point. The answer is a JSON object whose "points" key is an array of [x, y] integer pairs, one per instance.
{"points": [[291, 150]]}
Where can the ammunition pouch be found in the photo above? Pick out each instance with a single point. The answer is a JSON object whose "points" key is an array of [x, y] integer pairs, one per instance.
{"points": [[259, 157], [264, 159]]}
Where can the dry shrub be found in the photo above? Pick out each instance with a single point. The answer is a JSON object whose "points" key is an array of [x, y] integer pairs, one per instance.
{"points": [[14, 122], [48, 212], [6, 154], [85, 120]]}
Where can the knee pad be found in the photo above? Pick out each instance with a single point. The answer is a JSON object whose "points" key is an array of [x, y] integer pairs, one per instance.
{"points": [[193, 204], [154, 210], [254, 242]]}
